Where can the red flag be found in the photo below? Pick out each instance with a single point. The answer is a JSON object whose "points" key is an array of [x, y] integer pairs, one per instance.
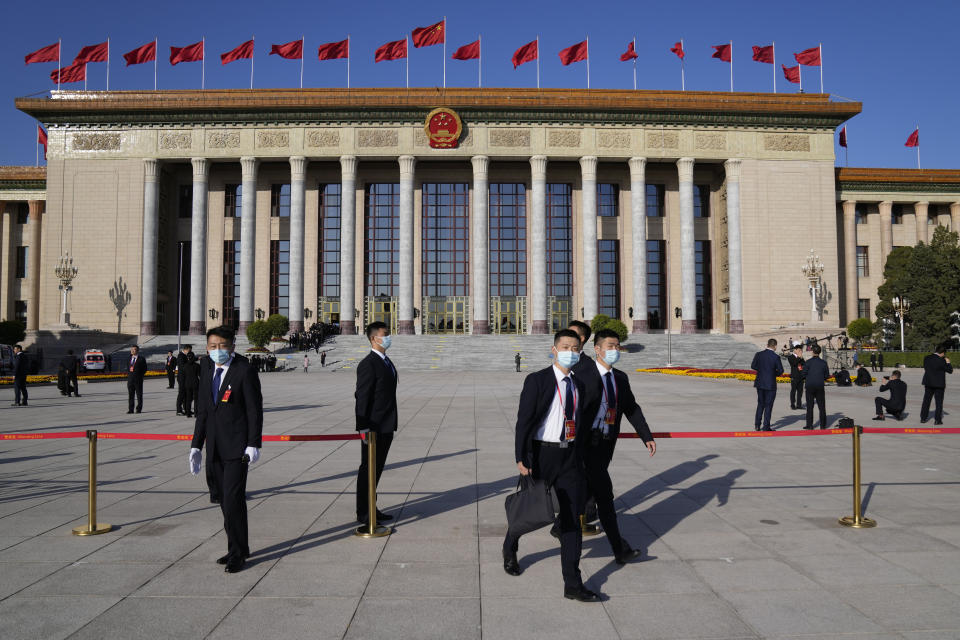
{"points": [[763, 54], [50, 53], [573, 53], [93, 53], [809, 57], [426, 36], [42, 139], [526, 53], [334, 50], [395, 50], [843, 137], [77, 72], [290, 51], [722, 51], [468, 51], [146, 53], [629, 54], [792, 74], [190, 53], [678, 49], [242, 52], [914, 139]]}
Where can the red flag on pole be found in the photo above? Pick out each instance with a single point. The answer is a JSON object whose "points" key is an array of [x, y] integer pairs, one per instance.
{"points": [[189, 53], [93, 53], [146, 53], [334, 50], [843, 137], [629, 54], [573, 53], [792, 74], [427, 36], [242, 52], [914, 139], [468, 51], [290, 51], [526, 53], [763, 54], [678, 49], [42, 139], [722, 51], [396, 50], [50, 53], [809, 57], [76, 72]]}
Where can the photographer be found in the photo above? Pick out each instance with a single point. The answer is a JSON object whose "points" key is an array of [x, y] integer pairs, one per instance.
{"points": [[898, 397]]}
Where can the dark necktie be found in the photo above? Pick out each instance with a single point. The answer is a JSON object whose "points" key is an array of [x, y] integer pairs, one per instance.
{"points": [[611, 391], [216, 384], [568, 399], [390, 366]]}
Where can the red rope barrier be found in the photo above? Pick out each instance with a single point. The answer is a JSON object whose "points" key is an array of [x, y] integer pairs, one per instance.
{"points": [[42, 436]]}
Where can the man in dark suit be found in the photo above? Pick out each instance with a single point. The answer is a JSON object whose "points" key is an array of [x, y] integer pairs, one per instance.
{"points": [[19, 377], [230, 421], [796, 377], [898, 397], [590, 514], [376, 411], [136, 370], [873, 361], [935, 367], [171, 367], [553, 426], [191, 383], [880, 361], [815, 376], [185, 352], [768, 366], [71, 367]]}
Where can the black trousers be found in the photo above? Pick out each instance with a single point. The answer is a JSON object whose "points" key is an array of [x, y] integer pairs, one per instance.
{"points": [[796, 392], [179, 394], [597, 460], [384, 440], [20, 390], [885, 403], [936, 394], [817, 394], [560, 469], [72, 385], [189, 400], [135, 388], [213, 481], [765, 398], [232, 478], [171, 378]]}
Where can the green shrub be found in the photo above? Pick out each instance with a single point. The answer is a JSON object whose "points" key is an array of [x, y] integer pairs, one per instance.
{"points": [[259, 333], [599, 322], [615, 325], [909, 358], [279, 325], [860, 329]]}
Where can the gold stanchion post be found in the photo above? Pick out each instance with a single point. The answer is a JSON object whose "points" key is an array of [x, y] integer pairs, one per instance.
{"points": [[372, 529], [857, 521], [92, 527]]}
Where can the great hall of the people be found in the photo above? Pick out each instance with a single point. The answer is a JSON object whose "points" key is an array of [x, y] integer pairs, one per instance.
{"points": [[452, 211]]}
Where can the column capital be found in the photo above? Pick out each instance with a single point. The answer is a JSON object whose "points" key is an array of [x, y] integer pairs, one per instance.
{"points": [[732, 167], [201, 169], [588, 166], [685, 169], [36, 207], [348, 165], [538, 167], [638, 168], [151, 167], [298, 167], [849, 208], [481, 164], [407, 163], [921, 203], [248, 167]]}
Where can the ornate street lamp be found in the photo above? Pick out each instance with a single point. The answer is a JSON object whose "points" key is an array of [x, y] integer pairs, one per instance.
{"points": [[65, 272], [812, 269], [900, 307], [259, 312], [212, 313]]}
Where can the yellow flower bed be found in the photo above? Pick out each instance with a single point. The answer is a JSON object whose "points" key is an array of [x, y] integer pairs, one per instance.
{"points": [[716, 374], [41, 379]]}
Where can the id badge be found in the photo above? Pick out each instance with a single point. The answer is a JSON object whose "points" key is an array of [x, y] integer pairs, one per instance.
{"points": [[226, 395], [569, 429], [131, 368], [611, 416]]}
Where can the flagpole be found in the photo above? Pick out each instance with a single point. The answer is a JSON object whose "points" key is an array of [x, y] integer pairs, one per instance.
{"points": [[683, 82], [203, 61], [108, 64], [479, 60], [59, 54], [38, 147], [406, 42], [918, 145], [588, 60], [773, 51], [303, 45], [156, 40], [444, 52], [731, 66], [800, 75], [634, 64], [820, 49], [538, 61], [348, 61], [253, 40]]}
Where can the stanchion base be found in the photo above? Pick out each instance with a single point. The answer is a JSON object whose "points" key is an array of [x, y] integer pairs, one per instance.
{"points": [[590, 530], [378, 532], [99, 528], [864, 523]]}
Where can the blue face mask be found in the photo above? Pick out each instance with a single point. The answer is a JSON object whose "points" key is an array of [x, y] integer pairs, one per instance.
{"points": [[220, 356], [567, 359], [385, 342], [611, 356]]}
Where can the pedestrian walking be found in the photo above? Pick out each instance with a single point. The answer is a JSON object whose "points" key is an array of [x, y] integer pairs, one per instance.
{"points": [[768, 366], [935, 367]]}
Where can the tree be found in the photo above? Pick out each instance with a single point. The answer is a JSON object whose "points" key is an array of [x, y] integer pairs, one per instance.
{"points": [[279, 325], [599, 322], [615, 325], [12, 332], [259, 333], [860, 329]]}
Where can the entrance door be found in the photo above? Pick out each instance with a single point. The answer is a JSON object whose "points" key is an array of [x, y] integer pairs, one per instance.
{"points": [[508, 314], [381, 309], [559, 308], [446, 314], [329, 310]]}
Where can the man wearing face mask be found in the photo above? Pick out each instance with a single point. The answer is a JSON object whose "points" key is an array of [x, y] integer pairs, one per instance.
{"points": [[230, 420], [585, 363], [376, 410], [553, 422]]}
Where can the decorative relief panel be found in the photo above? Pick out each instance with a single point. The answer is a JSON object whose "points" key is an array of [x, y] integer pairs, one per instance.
{"points": [[223, 140], [509, 138], [96, 142], [563, 138], [378, 138], [175, 140], [613, 139], [663, 140], [712, 141], [273, 139], [323, 138], [786, 142]]}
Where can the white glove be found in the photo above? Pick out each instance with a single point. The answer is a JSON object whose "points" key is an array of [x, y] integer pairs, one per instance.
{"points": [[195, 457], [253, 452]]}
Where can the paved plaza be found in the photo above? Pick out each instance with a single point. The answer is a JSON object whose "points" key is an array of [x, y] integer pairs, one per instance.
{"points": [[740, 535]]}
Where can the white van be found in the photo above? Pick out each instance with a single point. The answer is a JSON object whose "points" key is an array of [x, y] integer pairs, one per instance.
{"points": [[93, 360]]}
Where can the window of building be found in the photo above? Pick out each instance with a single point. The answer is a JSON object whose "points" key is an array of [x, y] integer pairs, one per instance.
{"points": [[896, 213], [701, 201], [863, 308], [20, 311], [232, 195], [508, 240], [23, 213], [329, 240], [656, 284], [446, 239], [21, 262], [608, 276], [280, 277], [704, 290], [655, 200], [860, 213], [231, 283], [608, 200], [559, 240], [863, 262], [382, 239], [280, 200], [185, 201]]}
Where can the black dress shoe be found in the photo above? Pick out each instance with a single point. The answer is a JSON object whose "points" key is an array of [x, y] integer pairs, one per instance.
{"points": [[938, 423], [510, 563], [808, 428], [129, 411], [627, 555], [878, 418], [580, 593], [179, 413], [226, 559], [139, 410], [234, 565], [924, 420], [756, 428], [766, 429], [555, 530], [823, 427], [383, 517]]}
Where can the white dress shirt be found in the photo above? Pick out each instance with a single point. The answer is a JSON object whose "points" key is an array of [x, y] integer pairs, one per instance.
{"points": [[551, 429], [600, 421], [223, 376]]}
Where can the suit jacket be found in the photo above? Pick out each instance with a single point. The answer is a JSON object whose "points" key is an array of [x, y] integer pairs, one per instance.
{"points": [[139, 369], [70, 364], [816, 373], [796, 366], [20, 366], [626, 402], [181, 366], [935, 369], [191, 372], [768, 366], [539, 390], [171, 363], [898, 394], [376, 395], [235, 421]]}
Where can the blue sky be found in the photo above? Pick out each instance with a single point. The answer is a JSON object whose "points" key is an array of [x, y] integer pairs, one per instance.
{"points": [[899, 59]]}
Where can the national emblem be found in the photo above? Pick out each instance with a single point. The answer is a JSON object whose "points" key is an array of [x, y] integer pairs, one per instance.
{"points": [[443, 128]]}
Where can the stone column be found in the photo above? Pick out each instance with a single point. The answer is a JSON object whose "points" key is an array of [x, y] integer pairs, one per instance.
{"points": [[298, 221], [480, 245], [688, 264], [537, 270], [33, 304], [151, 222], [955, 217], [734, 256], [851, 283], [638, 225], [7, 264], [921, 209], [248, 232], [348, 226], [588, 213], [198, 247], [405, 301], [886, 231]]}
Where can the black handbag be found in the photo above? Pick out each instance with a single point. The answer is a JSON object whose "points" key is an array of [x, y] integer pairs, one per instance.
{"points": [[531, 507]]}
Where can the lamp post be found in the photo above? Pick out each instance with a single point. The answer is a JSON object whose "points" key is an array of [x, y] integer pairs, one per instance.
{"points": [[259, 313], [900, 307], [65, 272], [812, 269]]}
